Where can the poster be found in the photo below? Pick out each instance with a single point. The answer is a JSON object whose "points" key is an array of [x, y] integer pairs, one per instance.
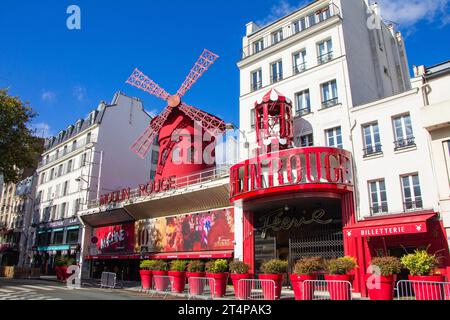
{"points": [[205, 231], [117, 238]]}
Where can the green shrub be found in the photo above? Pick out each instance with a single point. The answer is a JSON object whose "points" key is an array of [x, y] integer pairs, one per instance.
{"points": [[420, 263], [209, 265], [239, 267], [195, 266], [218, 266], [64, 261], [388, 265], [154, 265], [160, 265], [178, 265], [146, 265], [342, 265], [274, 266], [307, 266]]}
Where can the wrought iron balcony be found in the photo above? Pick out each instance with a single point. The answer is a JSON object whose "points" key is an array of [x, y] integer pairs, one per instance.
{"points": [[372, 150], [411, 205], [379, 209], [256, 86], [302, 112], [324, 58], [330, 103], [297, 69], [276, 77], [403, 143]]}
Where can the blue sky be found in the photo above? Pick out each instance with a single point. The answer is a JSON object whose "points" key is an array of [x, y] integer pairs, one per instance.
{"points": [[64, 74]]}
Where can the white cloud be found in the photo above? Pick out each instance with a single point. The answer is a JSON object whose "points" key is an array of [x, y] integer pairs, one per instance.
{"points": [[48, 96], [409, 12], [279, 10], [42, 130], [79, 92]]}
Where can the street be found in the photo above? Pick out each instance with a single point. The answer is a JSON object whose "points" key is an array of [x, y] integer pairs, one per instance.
{"points": [[29, 289]]}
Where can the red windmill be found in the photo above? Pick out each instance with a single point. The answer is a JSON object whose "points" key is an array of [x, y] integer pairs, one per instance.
{"points": [[177, 115]]}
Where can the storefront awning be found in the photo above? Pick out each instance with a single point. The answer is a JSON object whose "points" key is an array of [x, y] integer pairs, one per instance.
{"points": [[390, 225], [108, 218], [167, 256]]}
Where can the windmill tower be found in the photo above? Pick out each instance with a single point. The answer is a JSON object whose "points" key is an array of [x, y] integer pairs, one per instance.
{"points": [[175, 117]]}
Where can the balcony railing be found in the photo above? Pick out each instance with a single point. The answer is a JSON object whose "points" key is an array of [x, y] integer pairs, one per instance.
{"points": [[324, 58], [373, 150], [277, 77], [288, 30], [411, 205], [330, 103], [201, 177], [256, 86], [404, 143], [302, 112], [79, 144], [379, 209], [299, 68]]}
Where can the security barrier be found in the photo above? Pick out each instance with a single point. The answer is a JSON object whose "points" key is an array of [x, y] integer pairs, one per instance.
{"points": [[161, 286], [326, 290], [108, 280], [422, 290], [201, 288], [256, 289]]}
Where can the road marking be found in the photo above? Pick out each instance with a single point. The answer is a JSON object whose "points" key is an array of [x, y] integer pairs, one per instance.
{"points": [[57, 288], [46, 288], [18, 288], [6, 291]]}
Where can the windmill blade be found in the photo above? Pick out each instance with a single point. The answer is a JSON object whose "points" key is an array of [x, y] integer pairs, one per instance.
{"points": [[142, 145], [203, 63], [141, 81], [210, 123]]}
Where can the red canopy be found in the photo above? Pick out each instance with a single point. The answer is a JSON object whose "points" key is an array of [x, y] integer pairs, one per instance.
{"points": [[390, 225], [272, 96]]}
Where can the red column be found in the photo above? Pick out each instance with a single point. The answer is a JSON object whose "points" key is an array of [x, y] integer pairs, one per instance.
{"points": [[249, 241]]}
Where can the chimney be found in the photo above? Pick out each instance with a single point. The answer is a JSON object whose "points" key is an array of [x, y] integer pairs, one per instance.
{"points": [[376, 8], [251, 28], [419, 71]]}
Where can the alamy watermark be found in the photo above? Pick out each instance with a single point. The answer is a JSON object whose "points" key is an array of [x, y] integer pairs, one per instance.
{"points": [[73, 21]]}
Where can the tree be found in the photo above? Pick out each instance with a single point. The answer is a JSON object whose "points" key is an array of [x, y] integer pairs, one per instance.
{"points": [[19, 148]]}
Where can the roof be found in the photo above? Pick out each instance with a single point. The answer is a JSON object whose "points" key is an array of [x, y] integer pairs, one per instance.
{"points": [[272, 96], [438, 69]]}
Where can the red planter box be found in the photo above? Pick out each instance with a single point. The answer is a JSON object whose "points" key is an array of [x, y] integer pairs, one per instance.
{"points": [[146, 279], [161, 284], [196, 286], [243, 292], [385, 291], [297, 285], [219, 284], [179, 281], [339, 290], [428, 291], [268, 291]]}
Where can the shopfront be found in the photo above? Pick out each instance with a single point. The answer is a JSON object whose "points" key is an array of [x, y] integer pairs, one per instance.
{"points": [[54, 240]]}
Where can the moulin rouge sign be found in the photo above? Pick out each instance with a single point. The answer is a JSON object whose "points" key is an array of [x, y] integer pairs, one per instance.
{"points": [[309, 169], [152, 187]]}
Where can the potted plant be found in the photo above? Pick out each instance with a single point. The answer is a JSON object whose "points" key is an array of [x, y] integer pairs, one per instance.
{"points": [[239, 271], [195, 270], [145, 271], [217, 273], [159, 272], [61, 266], [178, 274], [273, 270], [338, 273], [422, 266], [305, 270], [384, 270]]}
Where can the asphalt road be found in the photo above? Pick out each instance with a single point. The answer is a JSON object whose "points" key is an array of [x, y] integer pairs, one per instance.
{"points": [[26, 289]]}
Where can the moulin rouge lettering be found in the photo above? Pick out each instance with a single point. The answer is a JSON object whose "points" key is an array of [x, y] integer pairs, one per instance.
{"points": [[276, 221], [164, 184]]}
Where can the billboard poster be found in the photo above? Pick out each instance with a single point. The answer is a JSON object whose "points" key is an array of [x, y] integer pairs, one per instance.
{"points": [[117, 238], [205, 231]]}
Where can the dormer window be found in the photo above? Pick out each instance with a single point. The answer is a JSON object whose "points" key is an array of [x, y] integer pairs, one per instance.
{"points": [[79, 124], [69, 130], [61, 136], [92, 117]]}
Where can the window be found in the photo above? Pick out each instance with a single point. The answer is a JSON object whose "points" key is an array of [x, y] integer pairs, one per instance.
{"points": [[372, 143], [253, 118], [53, 213], [65, 189], [69, 166], [334, 137], [74, 145], [329, 94], [324, 14], [79, 124], [58, 237], [378, 197], [258, 46], [306, 141], [277, 36], [83, 160], [325, 49], [60, 170], [57, 189], [52, 174], [256, 80], [62, 210], [88, 138], [92, 117], [49, 193], [299, 62], [65, 150], [43, 239], [42, 180], [311, 20], [299, 25], [302, 103], [72, 236], [76, 206], [412, 195], [403, 131], [277, 71]]}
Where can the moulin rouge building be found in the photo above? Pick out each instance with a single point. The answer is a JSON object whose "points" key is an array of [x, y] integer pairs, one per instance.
{"points": [[318, 174]]}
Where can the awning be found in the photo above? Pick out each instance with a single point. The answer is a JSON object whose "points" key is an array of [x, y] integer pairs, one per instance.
{"points": [[390, 225], [108, 218], [167, 256]]}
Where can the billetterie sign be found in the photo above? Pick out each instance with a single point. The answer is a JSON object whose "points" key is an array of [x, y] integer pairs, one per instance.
{"points": [[152, 187]]}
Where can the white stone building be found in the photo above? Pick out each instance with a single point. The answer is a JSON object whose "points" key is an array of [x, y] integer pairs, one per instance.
{"points": [[89, 158]]}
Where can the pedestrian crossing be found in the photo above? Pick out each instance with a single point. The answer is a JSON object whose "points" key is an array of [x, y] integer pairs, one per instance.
{"points": [[29, 292]]}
